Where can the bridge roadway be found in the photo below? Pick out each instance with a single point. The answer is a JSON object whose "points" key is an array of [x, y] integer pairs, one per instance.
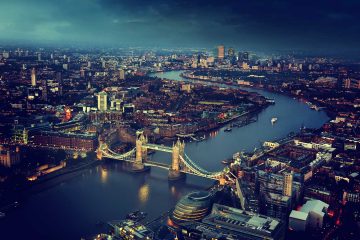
{"points": [[158, 147], [157, 164]]}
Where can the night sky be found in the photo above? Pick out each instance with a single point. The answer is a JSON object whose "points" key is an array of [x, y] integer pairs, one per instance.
{"points": [[313, 25]]}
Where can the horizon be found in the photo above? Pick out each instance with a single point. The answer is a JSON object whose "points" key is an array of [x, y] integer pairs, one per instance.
{"points": [[321, 27]]}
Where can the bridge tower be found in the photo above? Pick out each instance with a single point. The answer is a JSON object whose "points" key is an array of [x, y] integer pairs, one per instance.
{"points": [[141, 151], [102, 146], [177, 151]]}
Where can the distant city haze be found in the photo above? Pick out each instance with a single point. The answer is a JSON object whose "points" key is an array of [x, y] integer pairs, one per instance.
{"points": [[325, 26]]}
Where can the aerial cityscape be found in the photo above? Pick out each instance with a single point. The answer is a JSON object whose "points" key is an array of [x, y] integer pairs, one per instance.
{"points": [[179, 120]]}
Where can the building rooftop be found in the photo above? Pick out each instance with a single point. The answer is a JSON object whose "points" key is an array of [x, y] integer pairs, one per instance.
{"points": [[242, 221], [299, 215], [316, 206]]}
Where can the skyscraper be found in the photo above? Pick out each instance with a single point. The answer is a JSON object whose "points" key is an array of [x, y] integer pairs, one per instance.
{"points": [[246, 56], [60, 82], [82, 72], [44, 90], [231, 53], [288, 182], [102, 101], [243, 56], [33, 77], [347, 83], [221, 52], [122, 74]]}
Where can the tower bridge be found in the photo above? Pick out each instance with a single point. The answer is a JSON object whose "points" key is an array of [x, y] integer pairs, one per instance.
{"points": [[180, 162]]}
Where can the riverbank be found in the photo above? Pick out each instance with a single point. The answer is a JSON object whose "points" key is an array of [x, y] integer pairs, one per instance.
{"points": [[232, 84], [249, 115], [38, 184], [211, 126]]}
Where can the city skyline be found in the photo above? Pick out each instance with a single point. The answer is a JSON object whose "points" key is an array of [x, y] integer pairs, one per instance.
{"points": [[179, 120], [321, 26]]}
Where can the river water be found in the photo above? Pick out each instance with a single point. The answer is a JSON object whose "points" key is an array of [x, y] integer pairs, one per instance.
{"points": [[70, 207]]}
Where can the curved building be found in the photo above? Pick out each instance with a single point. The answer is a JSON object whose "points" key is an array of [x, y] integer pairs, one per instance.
{"points": [[193, 207]]}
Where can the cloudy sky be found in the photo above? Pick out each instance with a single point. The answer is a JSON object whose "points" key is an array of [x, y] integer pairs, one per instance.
{"points": [[332, 25]]}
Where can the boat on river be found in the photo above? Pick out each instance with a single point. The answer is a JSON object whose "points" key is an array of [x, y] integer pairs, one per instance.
{"points": [[136, 216], [273, 120], [227, 161], [229, 129]]}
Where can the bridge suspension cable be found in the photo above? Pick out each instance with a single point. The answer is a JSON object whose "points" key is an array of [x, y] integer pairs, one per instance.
{"points": [[109, 153], [198, 170]]}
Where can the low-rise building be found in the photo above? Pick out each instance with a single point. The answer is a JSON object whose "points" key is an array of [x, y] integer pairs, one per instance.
{"points": [[310, 216]]}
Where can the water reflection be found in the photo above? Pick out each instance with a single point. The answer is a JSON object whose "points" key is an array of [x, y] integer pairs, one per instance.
{"points": [[104, 175], [213, 134], [144, 192]]}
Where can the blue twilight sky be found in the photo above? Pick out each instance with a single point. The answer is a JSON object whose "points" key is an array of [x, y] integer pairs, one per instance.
{"points": [[323, 25]]}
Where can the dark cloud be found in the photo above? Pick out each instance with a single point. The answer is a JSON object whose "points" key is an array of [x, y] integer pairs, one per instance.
{"points": [[246, 24]]}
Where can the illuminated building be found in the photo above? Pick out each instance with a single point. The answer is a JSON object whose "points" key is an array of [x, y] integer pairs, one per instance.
{"points": [[288, 183], [186, 88], [193, 207], [65, 140], [77, 123], [231, 52], [311, 215], [102, 101], [233, 223], [131, 230], [44, 90], [9, 155], [351, 83], [116, 104], [221, 52], [82, 72], [60, 82], [33, 77], [6, 54], [122, 74], [67, 111]]}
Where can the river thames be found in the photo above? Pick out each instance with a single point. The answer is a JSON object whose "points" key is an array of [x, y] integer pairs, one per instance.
{"points": [[70, 207]]}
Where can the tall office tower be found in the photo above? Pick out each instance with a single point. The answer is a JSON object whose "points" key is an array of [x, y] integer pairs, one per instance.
{"points": [[60, 82], [82, 72], [39, 56], [221, 52], [246, 56], [33, 77], [122, 74], [102, 101], [44, 90], [288, 183], [66, 66], [231, 52], [347, 83]]}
